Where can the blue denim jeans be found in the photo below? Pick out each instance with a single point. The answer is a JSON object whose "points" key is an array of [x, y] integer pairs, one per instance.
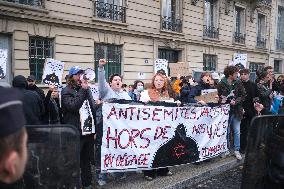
{"points": [[235, 124]]}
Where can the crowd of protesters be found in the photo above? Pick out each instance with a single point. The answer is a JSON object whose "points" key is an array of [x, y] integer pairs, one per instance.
{"points": [[246, 98]]}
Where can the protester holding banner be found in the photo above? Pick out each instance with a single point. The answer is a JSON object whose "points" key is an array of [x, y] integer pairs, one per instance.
{"points": [[184, 91], [73, 97], [205, 81], [157, 92], [108, 91], [13, 137], [231, 90], [138, 87], [113, 89]]}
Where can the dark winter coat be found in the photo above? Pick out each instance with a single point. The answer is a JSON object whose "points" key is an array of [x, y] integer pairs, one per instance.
{"points": [[37, 90], [32, 104], [184, 92], [263, 93], [72, 100], [251, 93], [196, 91], [224, 89]]}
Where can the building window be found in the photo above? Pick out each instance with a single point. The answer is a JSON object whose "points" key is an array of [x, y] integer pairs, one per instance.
{"points": [[112, 54], [210, 29], [171, 55], [239, 35], [172, 15], [209, 62], [39, 49], [277, 66], [113, 10], [253, 67], [35, 3], [280, 29], [261, 28]]}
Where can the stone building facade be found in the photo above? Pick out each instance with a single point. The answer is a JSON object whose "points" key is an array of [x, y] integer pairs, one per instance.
{"points": [[132, 34]]}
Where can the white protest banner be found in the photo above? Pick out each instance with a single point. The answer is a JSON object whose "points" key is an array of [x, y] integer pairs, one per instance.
{"points": [[95, 91], [240, 60], [86, 118], [3, 62], [161, 64], [145, 137], [207, 91], [53, 71]]}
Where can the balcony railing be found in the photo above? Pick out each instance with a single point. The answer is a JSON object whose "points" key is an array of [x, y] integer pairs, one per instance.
{"points": [[34, 3], [211, 32], [239, 38], [260, 42], [171, 24], [265, 2], [110, 11], [280, 44]]}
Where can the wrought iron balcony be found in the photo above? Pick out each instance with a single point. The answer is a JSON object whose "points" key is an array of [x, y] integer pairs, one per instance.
{"points": [[239, 38], [34, 3], [171, 24], [211, 32], [280, 44], [110, 11], [265, 2], [260, 42]]}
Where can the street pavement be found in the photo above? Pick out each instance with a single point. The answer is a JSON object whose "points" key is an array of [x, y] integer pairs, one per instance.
{"points": [[184, 176], [230, 179]]}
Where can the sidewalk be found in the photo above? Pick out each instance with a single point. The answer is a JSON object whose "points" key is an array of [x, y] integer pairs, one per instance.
{"points": [[183, 176]]}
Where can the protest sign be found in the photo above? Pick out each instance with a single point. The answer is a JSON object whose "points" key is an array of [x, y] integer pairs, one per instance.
{"points": [[86, 118], [240, 60], [181, 68], [3, 62], [53, 71], [161, 64], [144, 137], [95, 91]]}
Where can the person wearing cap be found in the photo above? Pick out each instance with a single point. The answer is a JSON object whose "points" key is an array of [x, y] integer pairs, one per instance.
{"points": [[13, 137], [72, 99], [32, 103], [32, 86]]}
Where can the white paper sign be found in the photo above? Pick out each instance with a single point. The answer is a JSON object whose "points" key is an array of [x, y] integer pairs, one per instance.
{"points": [[161, 64], [3, 62], [240, 60], [207, 91], [146, 137], [86, 118], [95, 91], [53, 71]]}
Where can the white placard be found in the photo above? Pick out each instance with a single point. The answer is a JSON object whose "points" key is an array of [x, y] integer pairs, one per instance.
{"points": [[53, 71], [3, 62], [207, 91], [95, 91], [86, 118], [240, 60], [161, 64]]}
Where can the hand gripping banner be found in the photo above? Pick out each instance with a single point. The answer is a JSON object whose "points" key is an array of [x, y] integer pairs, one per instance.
{"points": [[141, 137]]}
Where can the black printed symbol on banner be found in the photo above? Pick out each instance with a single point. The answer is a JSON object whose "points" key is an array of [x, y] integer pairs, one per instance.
{"points": [[88, 124], [179, 150], [51, 79], [55, 67], [2, 74]]}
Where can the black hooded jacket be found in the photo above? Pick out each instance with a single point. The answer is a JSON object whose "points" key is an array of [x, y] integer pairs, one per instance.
{"points": [[32, 103]]}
